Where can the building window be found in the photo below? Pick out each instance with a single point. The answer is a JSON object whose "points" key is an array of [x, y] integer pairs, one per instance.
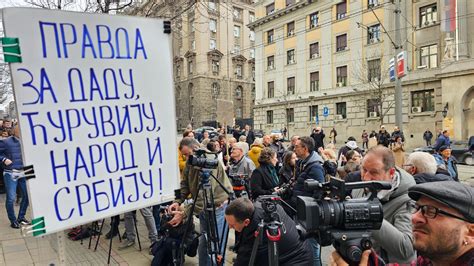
{"points": [[237, 49], [270, 36], [341, 73], [290, 85], [290, 57], [271, 89], [314, 50], [252, 53], [213, 25], [190, 67], [428, 15], [341, 10], [251, 17], [178, 71], [212, 4], [253, 73], [314, 81], [238, 71], [373, 70], [372, 3], [341, 42], [373, 108], [290, 115], [341, 110], [289, 2], [252, 36], [270, 117], [313, 20], [373, 34], [313, 112], [270, 8], [429, 56], [215, 67], [238, 112], [271, 62], [238, 92], [290, 29], [236, 31], [237, 13], [422, 101], [212, 44], [215, 90]]}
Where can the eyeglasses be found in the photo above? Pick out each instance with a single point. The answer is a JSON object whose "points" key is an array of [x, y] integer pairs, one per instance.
{"points": [[430, 211]]}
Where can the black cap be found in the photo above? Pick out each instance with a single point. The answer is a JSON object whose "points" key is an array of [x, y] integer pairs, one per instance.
{"points": [[451, 193], [443, 148]]}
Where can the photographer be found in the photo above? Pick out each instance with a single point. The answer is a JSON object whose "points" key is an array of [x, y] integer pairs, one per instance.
{"points": [[189, 186], [240, 166], [393, 242], [265, 180], [244, 216]]}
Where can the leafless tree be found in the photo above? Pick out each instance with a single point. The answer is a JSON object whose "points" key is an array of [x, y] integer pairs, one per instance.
{"points": [[373, 77]]}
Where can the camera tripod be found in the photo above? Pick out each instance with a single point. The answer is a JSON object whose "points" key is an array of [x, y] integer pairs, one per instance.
{"points": [[272, 227], [215, 246]]}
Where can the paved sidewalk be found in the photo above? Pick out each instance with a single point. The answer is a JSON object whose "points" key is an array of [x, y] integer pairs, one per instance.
{"points": [[18, 250]]}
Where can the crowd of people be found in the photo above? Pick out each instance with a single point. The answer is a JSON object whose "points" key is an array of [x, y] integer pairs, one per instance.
{"points": [[269, 167], [426, 202]]}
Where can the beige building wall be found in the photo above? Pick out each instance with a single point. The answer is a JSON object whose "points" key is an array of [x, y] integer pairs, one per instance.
{"points": [[204, 72], [446, 81]]}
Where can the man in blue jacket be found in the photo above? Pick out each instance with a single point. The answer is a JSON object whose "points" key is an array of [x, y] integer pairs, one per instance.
{"points": [[308, 166], [10, 156], [442, 140]]}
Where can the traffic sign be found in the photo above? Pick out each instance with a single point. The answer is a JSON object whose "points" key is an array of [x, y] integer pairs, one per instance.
{"points": [[325, 111]]}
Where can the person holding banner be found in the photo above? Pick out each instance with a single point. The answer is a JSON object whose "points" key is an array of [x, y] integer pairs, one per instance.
{"points": [[12, 162]]}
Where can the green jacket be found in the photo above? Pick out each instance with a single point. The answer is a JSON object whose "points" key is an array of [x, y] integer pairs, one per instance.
{"points": [[190, 184]]}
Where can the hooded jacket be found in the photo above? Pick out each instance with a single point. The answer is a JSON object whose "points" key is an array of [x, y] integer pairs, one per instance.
{"points": [[254, 153], [190, 186], [291, 250], [393, 241], [309, 168], [426, 177], [10, 148]]}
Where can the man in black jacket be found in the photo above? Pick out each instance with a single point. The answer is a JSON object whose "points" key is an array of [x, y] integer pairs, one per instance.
{"points": [[244, 216], [318, 137], [383, 138]]}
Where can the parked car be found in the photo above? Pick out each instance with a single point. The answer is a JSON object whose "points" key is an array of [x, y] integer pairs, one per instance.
{"points": [[459, 150], [258, 133], [199, 132], [276, 132]]}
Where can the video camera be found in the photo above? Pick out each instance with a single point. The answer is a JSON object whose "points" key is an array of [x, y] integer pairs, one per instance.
{"points": [[334, 219], [200, 160]]}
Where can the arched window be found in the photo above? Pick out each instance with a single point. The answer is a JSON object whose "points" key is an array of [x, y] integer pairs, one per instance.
{"points": [[215, 90], [238, 92]]}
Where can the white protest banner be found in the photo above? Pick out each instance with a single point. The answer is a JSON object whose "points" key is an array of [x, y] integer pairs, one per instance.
{"points": [[95, 102]]}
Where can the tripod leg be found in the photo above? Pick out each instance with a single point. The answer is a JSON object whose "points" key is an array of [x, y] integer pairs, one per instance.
{"points": [[272, 253], [110, 251], [93, 231], [100, 232], [136, 231]]}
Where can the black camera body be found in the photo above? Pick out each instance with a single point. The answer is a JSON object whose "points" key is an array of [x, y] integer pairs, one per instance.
{"points": [[200, 160], [345, 223]]}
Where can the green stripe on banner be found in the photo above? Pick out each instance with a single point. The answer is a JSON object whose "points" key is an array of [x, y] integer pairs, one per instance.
{"points": [[11, 50], [38, 224]]}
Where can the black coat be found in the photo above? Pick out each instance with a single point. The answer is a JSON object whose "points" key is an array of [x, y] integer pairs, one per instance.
{"points": [[318, 140], [250, 137], [261, 182], [291, 250], [383, 138], [427, 135]]}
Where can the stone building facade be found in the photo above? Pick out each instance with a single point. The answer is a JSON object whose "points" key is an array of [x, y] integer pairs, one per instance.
{"points": [[313, 56], [213, 56]]}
